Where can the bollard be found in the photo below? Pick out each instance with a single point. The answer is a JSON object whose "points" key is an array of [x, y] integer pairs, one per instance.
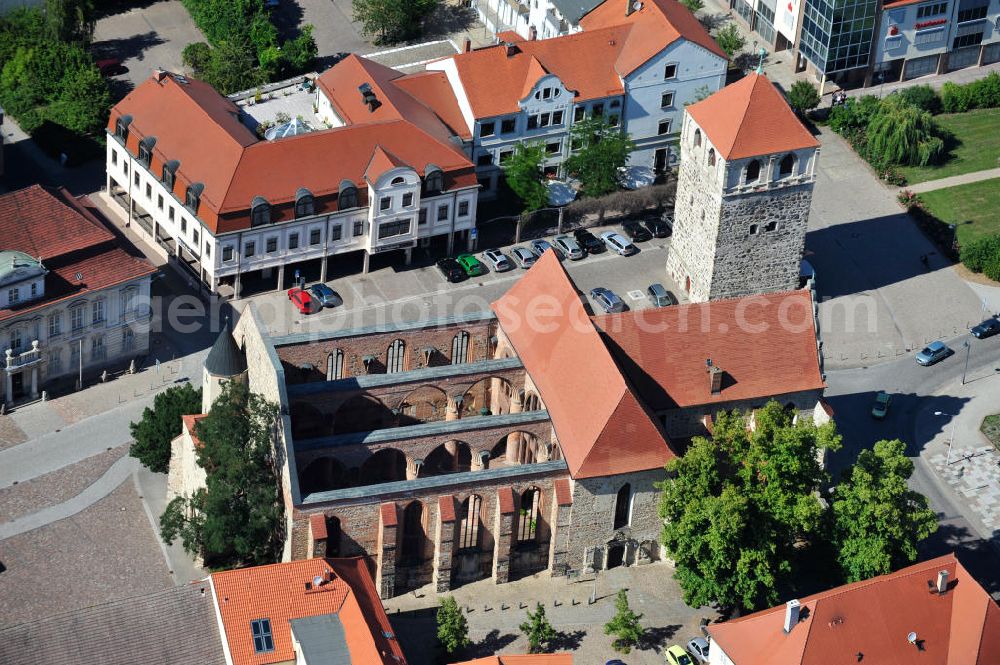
{"points": [[521, 605], [503, 607], [555, 603], [45, 395], [575, 601], [487, 608]]}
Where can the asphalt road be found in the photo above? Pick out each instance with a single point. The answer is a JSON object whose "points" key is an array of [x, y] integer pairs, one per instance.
{"points": [[918, 393]]}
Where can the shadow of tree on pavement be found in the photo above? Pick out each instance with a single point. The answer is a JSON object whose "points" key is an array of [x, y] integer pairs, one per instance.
{"points": [[491, 644], [655, 638], [567, 640]]}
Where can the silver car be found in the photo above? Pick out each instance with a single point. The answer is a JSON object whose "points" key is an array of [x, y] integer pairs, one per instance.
{"points": [[523, 257], [698, 647], [541, 246], [616, 242], [570, 247], [608, 300], [497, 260]]}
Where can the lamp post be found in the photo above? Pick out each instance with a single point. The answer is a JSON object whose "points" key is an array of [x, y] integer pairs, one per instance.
{"points": [[968, 352], [951, 439]]}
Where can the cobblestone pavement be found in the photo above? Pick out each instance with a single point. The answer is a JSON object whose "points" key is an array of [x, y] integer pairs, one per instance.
{"points": [[975, 475], [29, 497], [106, 552], [10, 433], [495, 611]]}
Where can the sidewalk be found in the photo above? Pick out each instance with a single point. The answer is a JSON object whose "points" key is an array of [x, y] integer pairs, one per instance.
{"points": [[952, 181]]}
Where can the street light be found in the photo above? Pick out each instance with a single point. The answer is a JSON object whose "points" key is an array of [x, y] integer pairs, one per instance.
{"points": [[968, 351], [951, 439]]}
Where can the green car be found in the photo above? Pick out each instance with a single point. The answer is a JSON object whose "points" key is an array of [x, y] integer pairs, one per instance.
{"points": [[472, 266], [881, 407]]}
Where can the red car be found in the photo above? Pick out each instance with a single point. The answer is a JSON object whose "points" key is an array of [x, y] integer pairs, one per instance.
{"points": [[110, 66], [304, 302]]}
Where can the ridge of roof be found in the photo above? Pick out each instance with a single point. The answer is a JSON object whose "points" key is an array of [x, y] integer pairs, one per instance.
{"points": [[533, 74]]}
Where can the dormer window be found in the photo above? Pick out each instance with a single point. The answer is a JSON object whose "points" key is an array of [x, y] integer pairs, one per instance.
{"points": [[433, 180], [753, 172], [305, 204], [121, 128], [260, 211], [146, 150], [397, 181], [263, 638], [192, 197], [170, 173], [348, 197]]}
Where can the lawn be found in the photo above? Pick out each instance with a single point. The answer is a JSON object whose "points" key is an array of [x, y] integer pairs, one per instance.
{"points": [[976, 146], [972, 207], [991, 428]]}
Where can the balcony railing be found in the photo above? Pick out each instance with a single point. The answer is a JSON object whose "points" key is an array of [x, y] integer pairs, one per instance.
{"points": [[18, 360]]}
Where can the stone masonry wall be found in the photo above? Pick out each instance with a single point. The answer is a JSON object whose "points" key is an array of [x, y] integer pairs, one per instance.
{"points": [[593, 519], [688, 422], [696, 220]]}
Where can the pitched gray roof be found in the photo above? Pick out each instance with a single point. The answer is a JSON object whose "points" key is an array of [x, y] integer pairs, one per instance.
{"points": [[574, 10], [172, 627], [225, 358], [322, 638]]}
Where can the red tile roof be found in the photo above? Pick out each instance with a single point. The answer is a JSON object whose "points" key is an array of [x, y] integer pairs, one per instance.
{"points": [[534, 659], [189, 423], [200, 128], [749, 118], [80, 253], [602, 427], [765, 344], [657, 24], [433, 90], [873, 618], [278, 592]]}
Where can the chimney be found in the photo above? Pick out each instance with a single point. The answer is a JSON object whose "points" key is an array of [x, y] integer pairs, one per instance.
{"points": [[532, 33], [714, 377], [466, 45], [159, 74], [942, 581], [791, 614], [510, 48]]}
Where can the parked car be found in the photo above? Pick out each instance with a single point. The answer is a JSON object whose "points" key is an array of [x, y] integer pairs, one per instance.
{"points": [[881, 406], [987, 328], [523, 257], [636, 231], [657, 227], [497, 260], [569, 247], [303, 301], [616, 242], [540, 246], [676, 655], [110, 66], [932, 353], [326, 296], [589, 241], [471, 265], [659, 296], [698, 647], [608, 300], [451, 270]]}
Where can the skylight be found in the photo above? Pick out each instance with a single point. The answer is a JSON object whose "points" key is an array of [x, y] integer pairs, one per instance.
{"points": [[263, 641]]}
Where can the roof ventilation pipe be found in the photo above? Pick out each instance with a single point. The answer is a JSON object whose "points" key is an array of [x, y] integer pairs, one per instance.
{"points": [[792, 608], [942, 581]]}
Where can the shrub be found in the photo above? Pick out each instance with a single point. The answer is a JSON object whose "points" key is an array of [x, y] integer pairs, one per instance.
{"points": [[981, 94], [923, 97], [954, 98], [983, 255], [908, 199], [197, 56]]}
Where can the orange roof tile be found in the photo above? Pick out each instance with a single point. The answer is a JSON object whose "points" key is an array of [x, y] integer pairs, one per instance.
{"points": [[494, 82], [563, 495], [381, 162], [656, 24], [873, 618], [434, 91], [533, 659], [278, 592], [749, 118], [766, 345], [602, 427]]}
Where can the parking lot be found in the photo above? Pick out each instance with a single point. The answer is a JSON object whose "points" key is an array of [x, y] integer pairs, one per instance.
{"points": [[409, 293]]}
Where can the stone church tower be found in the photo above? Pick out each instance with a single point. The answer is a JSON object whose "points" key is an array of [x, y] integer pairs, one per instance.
{"points": [[225, 362], [743, 194]]}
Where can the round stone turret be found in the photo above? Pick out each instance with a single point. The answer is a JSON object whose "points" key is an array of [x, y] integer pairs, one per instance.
{"points": [[225, 362]]}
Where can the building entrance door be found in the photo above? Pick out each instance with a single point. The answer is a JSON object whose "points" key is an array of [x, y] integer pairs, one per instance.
{"points": [[17, 385], [616, 555], [660, 160]]}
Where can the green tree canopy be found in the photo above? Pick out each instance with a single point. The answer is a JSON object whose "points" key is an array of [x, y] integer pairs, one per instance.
{"points": [[740, 501], [523, 173], [160, 425], [600, 150], [390, 21], [803, 96], [452, 627], [878, 519], [237, 518], [625, 626], [901, 133], [538, 630], [693, 5], [730, 39]]}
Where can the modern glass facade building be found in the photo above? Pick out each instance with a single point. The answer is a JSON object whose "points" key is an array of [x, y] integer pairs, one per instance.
{"points": [[837, 34]]}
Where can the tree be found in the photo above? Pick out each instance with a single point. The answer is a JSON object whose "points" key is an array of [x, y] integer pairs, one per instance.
{"points": [[237, 518], [301, 51], [693, 5], [69, 20], [878, 519], [523, 173], [738, 503], [233, 67], [390, 21], [600, 150], [83, 103], [538, 630], [197, 56], [730, 39], [901, 133], [162, 424], [803, 96], [453, 629], [624, 625]]}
